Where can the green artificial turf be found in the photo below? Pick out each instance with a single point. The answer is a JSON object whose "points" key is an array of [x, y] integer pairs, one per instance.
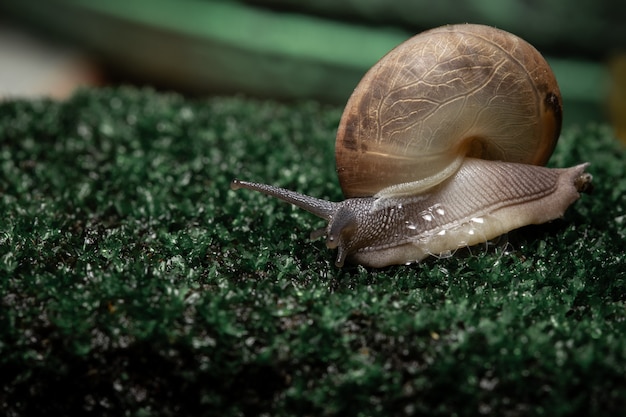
{"points": [[134, 282]]}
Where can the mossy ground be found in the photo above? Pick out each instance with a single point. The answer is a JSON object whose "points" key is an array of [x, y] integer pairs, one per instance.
{"points": [[134, 282]]}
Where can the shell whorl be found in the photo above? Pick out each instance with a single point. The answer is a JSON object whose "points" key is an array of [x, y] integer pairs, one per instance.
{"points": [[447, 93]]}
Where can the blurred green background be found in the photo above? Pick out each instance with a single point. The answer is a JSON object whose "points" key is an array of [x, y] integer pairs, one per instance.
{"points": [[290, 49]]}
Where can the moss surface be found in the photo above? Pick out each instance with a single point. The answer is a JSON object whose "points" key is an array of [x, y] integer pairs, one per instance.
{"points": [[134, 282]]}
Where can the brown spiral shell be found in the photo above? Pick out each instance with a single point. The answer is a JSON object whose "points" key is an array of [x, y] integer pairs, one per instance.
{"points": [[448, 93]]}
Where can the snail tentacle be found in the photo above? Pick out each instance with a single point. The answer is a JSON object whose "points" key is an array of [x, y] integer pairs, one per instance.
{"points": [[320, 208]]}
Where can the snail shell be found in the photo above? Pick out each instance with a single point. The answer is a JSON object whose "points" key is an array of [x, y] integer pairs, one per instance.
{"points": [[445, 94], [440, 146]]}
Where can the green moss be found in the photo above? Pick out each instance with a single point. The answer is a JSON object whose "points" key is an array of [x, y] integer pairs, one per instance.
{"points": [[134, 281]]}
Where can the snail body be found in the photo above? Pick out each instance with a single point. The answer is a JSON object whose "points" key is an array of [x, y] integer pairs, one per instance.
{"points": [[441, 146]]}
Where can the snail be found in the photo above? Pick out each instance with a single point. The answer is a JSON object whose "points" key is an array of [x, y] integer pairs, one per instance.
{"points": [[441, 146]]}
